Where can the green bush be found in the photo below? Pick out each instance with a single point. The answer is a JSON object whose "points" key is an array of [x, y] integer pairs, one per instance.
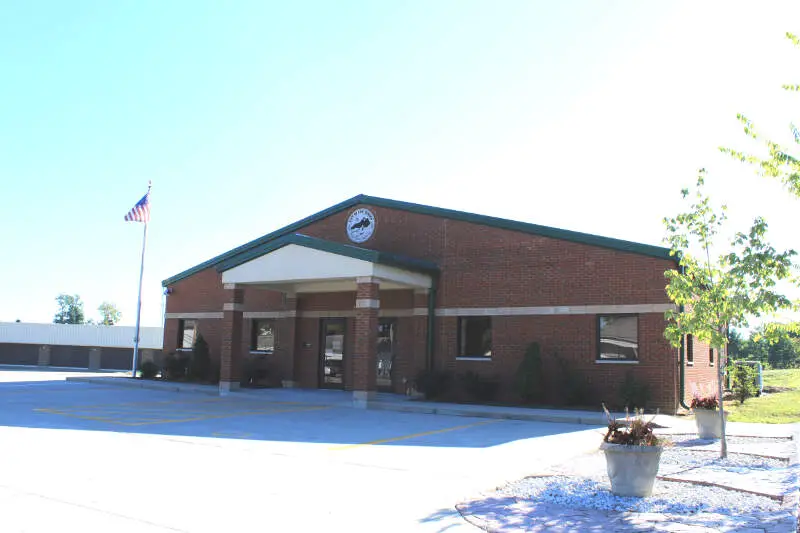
{"points": [[200, 362], [743, 382], [634, 395], [176, 366], [149, 370], [253, 372], [529, 375], [573, 388], [433, 383], [478, 387]]}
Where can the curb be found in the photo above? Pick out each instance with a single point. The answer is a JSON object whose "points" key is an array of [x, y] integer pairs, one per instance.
{"points": [[146, 384], [565, 418], [401, 407]]}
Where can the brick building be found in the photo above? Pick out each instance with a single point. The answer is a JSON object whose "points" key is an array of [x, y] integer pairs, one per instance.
{"points": [[365, 294]]}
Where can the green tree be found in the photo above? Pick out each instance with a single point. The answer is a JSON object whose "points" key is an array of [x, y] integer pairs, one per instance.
{"points": [[743, 382], [109, 313], [714, 294], [735, 344], [775, 159], [70, 309], [784, 353]]}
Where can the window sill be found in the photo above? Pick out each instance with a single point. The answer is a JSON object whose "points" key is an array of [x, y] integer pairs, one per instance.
{"points": [[689, 363], [183, 350], [260, 352], [473, 358], [615, 362]]}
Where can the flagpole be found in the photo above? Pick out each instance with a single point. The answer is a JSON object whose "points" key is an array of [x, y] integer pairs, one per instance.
{"points": [[139, 307], [139, 302]]}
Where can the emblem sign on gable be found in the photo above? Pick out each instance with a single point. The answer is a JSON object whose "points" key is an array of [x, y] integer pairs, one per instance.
{"points": [[360, 225]]}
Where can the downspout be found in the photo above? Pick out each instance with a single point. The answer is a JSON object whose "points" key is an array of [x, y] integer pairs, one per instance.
{"points": [[682, 370], [431, 340], [682, 365]]}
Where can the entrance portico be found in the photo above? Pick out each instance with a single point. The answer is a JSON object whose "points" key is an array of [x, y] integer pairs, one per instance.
{"points": [[297, 266]]}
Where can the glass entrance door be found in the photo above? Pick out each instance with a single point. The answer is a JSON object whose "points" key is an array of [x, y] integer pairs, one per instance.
{"points": [[332, 353], [387, 339]]}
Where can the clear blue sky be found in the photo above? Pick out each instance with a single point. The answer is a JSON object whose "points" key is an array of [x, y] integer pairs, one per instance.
{"points": [[248, 115]]}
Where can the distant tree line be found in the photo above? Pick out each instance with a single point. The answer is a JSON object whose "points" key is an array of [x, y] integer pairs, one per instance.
{"points": [[784, 352], [70, 311]]}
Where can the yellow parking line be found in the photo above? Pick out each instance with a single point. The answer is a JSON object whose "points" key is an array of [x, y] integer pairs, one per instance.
{"points": [[151, 420], [413, 435]]}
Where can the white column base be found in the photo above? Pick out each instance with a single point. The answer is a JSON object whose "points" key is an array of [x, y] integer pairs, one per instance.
{"points": [[225, 387], [362, 397]]}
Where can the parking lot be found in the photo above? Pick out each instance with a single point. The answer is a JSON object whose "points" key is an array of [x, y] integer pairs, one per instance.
{"points": [[87, 457]]}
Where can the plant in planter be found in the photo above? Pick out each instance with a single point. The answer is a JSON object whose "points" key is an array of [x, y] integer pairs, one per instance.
{"points": [[633, 453], [706, 417]]}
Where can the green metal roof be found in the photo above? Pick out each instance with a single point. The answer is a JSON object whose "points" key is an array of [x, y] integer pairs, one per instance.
{"points": [[364, 254], [511, 225]]}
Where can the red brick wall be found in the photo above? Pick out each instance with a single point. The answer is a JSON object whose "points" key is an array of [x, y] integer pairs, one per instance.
{"points": [[483, 267], [490, 267], [700, 375]]}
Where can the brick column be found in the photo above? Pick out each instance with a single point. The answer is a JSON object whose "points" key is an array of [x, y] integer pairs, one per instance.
{"points": [[419, 344], [287, 338], [365, 345], [230, 370]]}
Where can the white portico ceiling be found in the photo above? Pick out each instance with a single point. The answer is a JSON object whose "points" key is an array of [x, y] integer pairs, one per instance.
{"points": [[298, 268]]}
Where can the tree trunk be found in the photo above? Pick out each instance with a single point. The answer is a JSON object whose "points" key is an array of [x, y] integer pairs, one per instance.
{"points": [[722, 358]]}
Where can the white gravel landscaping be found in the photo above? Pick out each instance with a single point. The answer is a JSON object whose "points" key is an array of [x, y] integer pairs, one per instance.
{"points": [[583, 484], [668, 497]]}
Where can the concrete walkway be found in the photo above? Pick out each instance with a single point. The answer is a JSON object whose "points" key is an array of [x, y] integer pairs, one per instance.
{"points": [[382, 401]]}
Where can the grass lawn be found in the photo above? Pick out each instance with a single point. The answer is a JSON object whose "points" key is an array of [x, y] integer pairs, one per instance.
{"points": [[774, 408]]}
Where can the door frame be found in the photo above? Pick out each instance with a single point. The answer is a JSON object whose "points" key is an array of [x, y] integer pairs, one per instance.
{"points": [[394, 325], [323, 322]]}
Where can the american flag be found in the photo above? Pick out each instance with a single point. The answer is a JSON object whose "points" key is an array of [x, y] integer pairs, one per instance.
{"points": [[141, 211]]}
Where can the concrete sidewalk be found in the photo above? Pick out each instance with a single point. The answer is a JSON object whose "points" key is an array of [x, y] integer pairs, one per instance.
{"points": [[382, 401], [405, 404]]}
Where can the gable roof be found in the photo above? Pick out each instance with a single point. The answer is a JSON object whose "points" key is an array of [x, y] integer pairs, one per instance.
{"points": [[485, 220], [346, 250]]}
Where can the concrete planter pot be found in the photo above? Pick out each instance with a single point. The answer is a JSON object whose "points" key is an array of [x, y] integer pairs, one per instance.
{"points": [[632, 470], [709, 426]]}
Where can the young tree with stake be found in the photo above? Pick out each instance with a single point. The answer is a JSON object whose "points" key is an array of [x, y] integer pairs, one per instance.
{"points": [[715, 293]]}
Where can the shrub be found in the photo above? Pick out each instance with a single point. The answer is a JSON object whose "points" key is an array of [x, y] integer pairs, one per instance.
{"points": [[253, 371], [574, 390], [633, 394], [744, 386], [478, 387], [529, 376], [200, 363], [433, 383], [149, 370], [175, 366], [634, 431], [213, 373]]}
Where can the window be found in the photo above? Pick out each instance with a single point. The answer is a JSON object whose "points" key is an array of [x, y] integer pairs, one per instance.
{"points": [[618, 338], [711, 357], [689, 350], [262, 337], [187, 331], [475, 337]]}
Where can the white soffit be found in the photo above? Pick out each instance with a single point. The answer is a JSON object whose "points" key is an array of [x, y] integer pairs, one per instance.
{"points": [[293, 264]]}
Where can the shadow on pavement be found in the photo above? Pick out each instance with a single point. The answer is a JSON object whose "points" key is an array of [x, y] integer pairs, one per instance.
{"points": [[90, 407]]}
